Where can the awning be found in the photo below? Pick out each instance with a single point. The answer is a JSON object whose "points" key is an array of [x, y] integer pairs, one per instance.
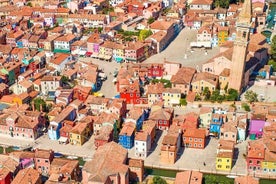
{"points": [[95, 55], [63, 139], [107, 57], [118, 60]]}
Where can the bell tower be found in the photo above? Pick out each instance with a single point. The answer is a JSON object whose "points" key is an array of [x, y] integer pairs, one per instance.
{"points": [[243, 24]]}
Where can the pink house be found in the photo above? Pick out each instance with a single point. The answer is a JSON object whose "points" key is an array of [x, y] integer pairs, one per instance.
{"points": [[261, 1], [171, 68], [43, 159], [93, 43]]}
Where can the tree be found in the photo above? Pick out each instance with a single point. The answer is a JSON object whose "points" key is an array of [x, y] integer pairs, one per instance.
{"points": [[29, 4], [233, 95], [217, 97], [64, 79], [183, 101], [273, 48], [158, 180], [251, 96], [246, 107], [144, 34], [273, 64], [206, 93], [222, 3], [38, 103], [151, 20]]}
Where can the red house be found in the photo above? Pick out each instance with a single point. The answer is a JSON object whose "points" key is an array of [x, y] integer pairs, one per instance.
{"points": [[255, 155], [135, 7], [65, 131], [5, 176], [105, 135], [162, 117], [155, 70], [131, 93], [81, 93]]}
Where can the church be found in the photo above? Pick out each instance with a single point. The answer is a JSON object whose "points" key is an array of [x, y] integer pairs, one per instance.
{"points": [[237, 60]]}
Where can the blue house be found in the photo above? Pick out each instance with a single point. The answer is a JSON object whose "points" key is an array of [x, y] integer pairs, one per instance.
{"points": [[69, 113], [137, 115], [54, 130], [126, 136], [215, 125]]}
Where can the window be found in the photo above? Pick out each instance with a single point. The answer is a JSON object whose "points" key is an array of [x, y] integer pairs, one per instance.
{"points": [[46, 161], [227, 167], [250, 161], [195, 145], [227, 160], [38, 160], [219, 166], [219, 160], [191, 139]]}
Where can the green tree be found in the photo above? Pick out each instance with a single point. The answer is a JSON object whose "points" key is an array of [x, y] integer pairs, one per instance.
{"points": [[64, 79], [214, 95], [158, 180], [273, 48], [206, 93], [246, 107], [183, 101], [251, 96], [38, 103], [29, 4], [144, 34], [222, 3], [233, 95], [273, 64], [151, 20]]}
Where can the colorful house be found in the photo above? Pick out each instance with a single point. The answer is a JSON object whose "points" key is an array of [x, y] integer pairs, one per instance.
{"points": [[256, 126], [229, 132], [80, 133], [131, 93], [222, 35], [171, 97], [154, 92], [216, 123], [126, 136], [224, 161], [162, 117], [169, 149], [194, 138], [104, 136], [43, 159], [142, 144], [137, 116], [255, 155], [205, 116]]}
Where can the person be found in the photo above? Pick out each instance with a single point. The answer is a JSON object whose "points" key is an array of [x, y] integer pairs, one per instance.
{"points": [[204, 163]]}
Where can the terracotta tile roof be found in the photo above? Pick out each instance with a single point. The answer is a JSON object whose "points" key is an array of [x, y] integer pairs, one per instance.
{"points": [[108, 160], [229, 127], [27, 175], [170, 139], [226, 145], [191, 97], [135, 113], [256, 149], [9, 163], [183, 76], [45, 154], [225, 155], [196, 133], [157, 88], [225, 72], [66, 38], [204, 110], [161, 25], [138, 163], [246, 180], [158, 36], [207, 77], [189, 177], [79, 128], [59, 58], [128, 129], [141, 136], [161, 114], [270, 156], [94, 17], [5, 49], [105, 133]]}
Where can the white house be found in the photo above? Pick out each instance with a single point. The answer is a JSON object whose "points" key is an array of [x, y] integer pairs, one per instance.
{"points": [[59, 61], [115, 2], [90, 20], [201, 5], [142, 144], [63, 43], [50, 84], [167, 3]]}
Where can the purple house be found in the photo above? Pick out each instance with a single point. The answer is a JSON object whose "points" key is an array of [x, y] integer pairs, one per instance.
{"points": [[256, 126]]}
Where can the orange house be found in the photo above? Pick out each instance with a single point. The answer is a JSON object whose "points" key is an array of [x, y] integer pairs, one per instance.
{"points": [[194, 138]]}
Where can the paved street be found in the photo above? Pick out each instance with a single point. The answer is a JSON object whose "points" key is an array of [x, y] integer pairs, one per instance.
{"points": [[193, 159], [87, 150]]}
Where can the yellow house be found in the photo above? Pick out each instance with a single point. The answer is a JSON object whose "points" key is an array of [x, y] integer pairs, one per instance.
{"points": [[224, 78], [202, 80], [171, 97], [80, 134], [269, 164], [4, 3], [224, 161]]}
